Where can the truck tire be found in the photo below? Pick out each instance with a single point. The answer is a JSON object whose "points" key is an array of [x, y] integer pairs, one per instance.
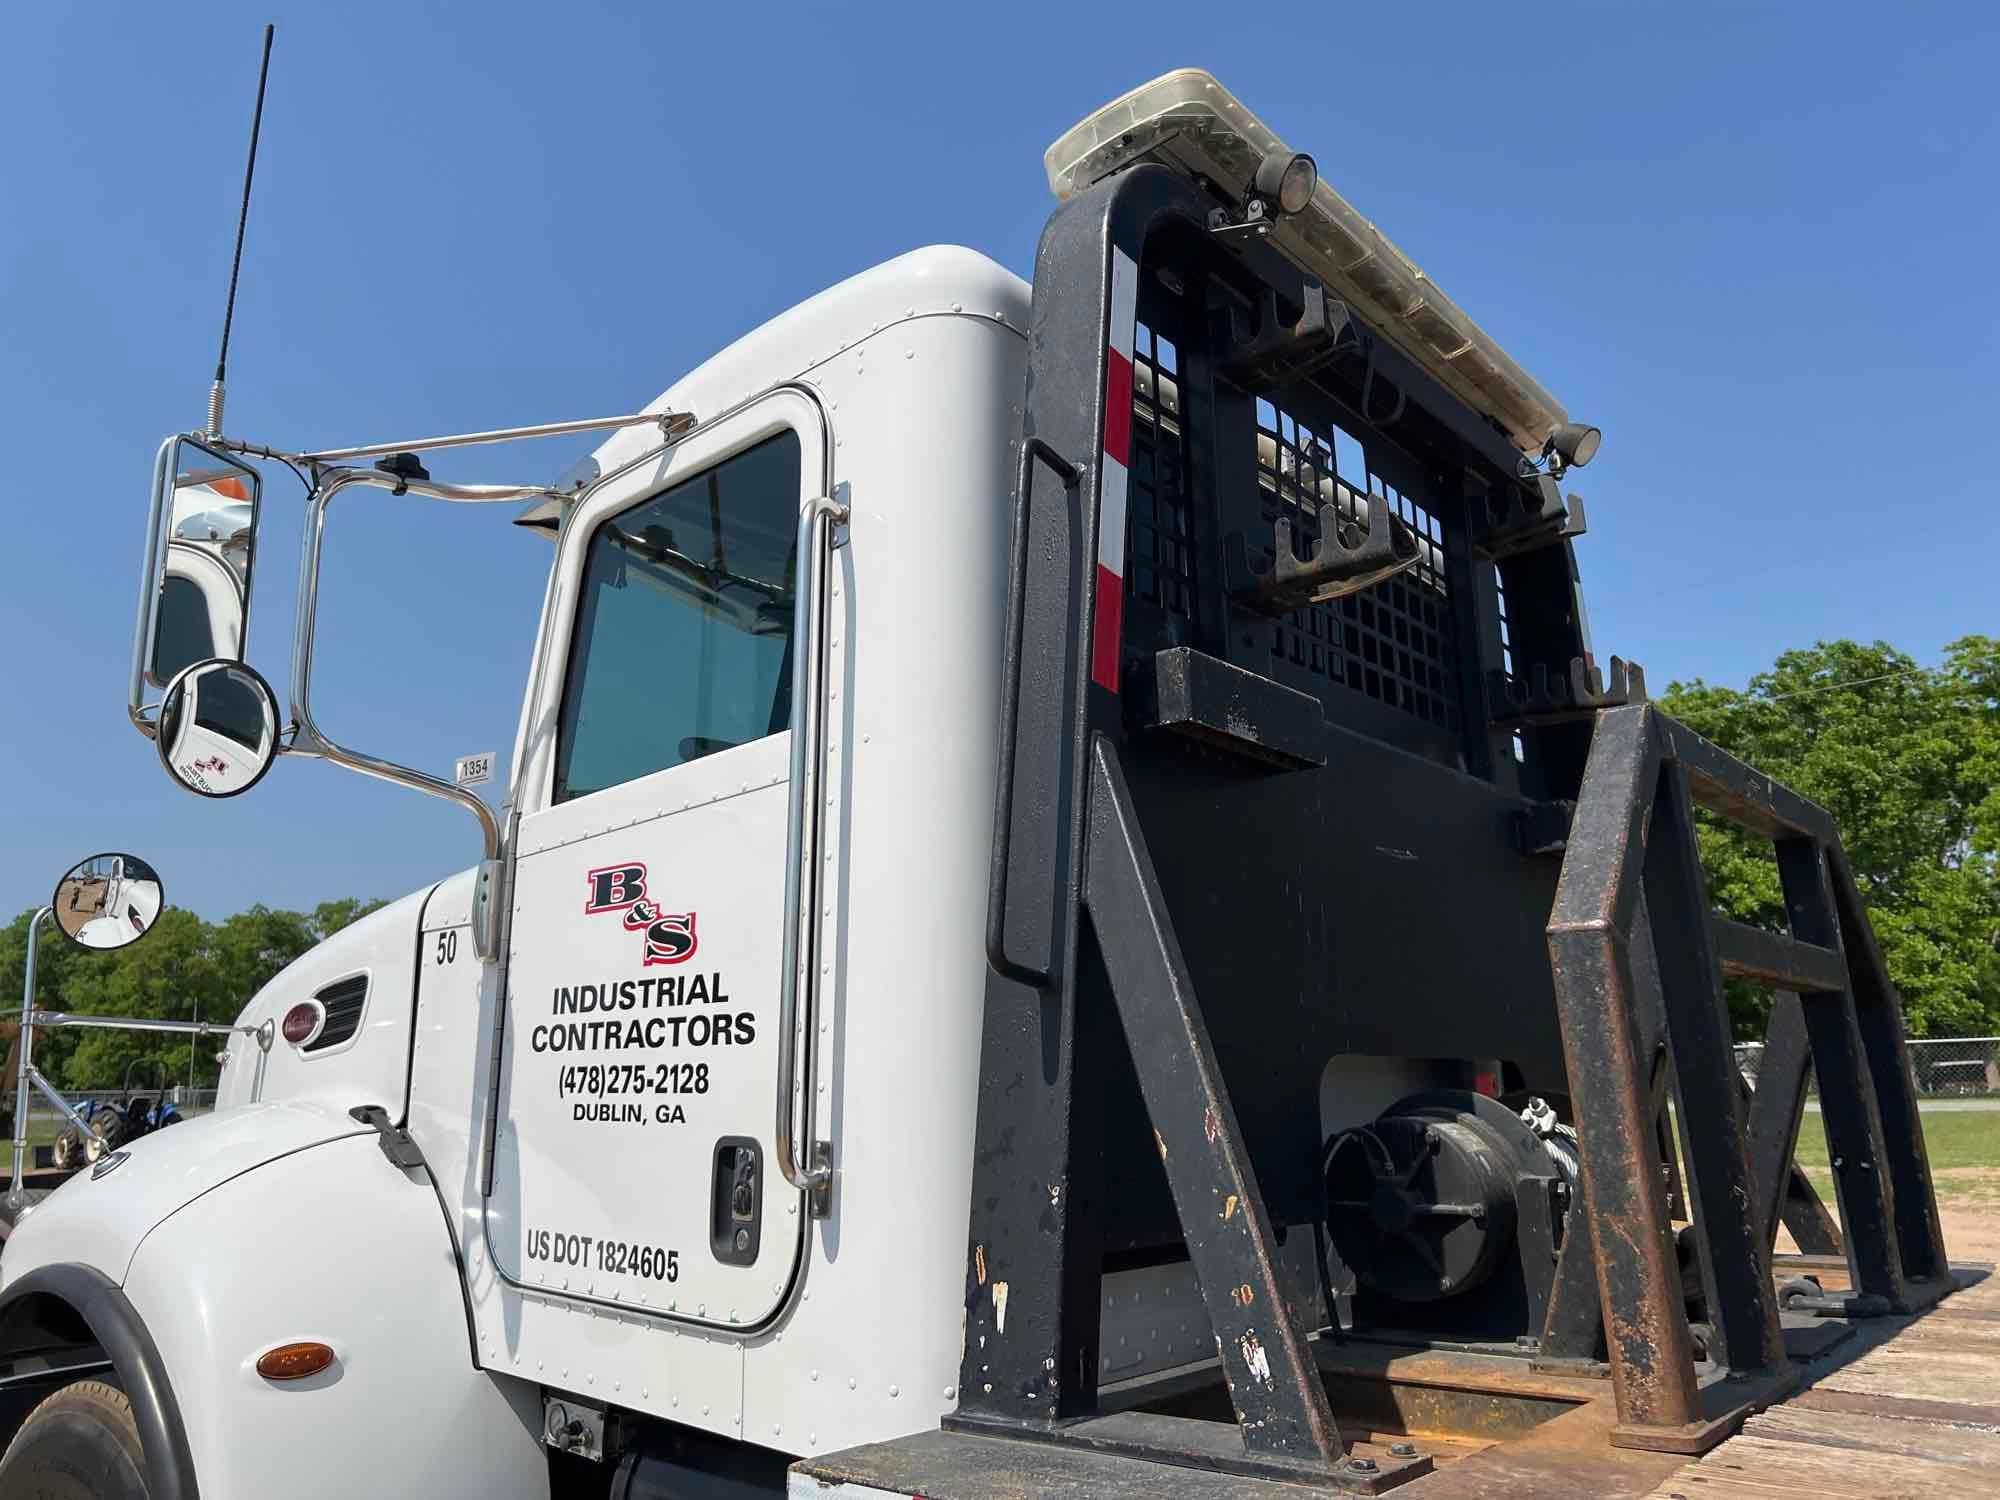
{"points": [[79, 1444]]}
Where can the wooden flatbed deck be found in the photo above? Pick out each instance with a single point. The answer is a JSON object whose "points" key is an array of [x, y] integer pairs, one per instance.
{"points": [[1916, 1415], [1898, 1407]]}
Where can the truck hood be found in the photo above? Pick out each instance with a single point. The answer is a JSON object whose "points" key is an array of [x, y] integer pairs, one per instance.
{"points": [[100, 1220], [366, 977]]}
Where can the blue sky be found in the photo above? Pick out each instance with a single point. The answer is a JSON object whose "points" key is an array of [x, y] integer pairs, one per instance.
{"points": [[1756, 244]]}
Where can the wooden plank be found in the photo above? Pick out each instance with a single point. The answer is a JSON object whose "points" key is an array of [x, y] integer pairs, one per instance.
{"points": [[1973, 1332], [1915, 1418], [1895, 1406], [1755, 1468], [1934, 1372], [1981, 1296], [1960, 1447]]}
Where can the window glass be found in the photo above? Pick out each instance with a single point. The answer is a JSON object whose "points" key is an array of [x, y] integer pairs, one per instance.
{"points": [[228, 706], [182, 636], [684, 626]]}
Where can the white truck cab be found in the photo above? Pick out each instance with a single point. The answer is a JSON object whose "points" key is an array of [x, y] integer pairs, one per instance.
{"points": [[598, 1147]]}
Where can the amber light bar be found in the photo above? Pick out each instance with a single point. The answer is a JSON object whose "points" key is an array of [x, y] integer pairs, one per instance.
{"points": [[1190, 122]]}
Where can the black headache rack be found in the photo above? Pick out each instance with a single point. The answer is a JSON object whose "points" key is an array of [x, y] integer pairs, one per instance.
{"points": [[1282, 783]]}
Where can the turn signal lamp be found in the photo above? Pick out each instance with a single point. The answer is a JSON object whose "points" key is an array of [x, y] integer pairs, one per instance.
{"points": [[1187, 121], [294, 1361]]}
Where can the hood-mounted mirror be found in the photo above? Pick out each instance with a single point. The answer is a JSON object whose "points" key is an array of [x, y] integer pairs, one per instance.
{"points": [[218, 730], [108, 901]]}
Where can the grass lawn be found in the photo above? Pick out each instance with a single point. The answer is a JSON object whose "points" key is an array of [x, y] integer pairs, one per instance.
{"points": [[1964, 1149]]}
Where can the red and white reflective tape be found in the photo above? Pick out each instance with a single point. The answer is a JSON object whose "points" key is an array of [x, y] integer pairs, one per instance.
{"points": [[1110, 590]]}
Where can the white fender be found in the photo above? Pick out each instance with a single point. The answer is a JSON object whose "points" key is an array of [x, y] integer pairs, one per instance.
{"points": [[98, 1218], [331, 1243]]}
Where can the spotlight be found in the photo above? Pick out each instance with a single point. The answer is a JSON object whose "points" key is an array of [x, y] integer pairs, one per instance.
{"points": [[1573, 444], [1286, 179]]}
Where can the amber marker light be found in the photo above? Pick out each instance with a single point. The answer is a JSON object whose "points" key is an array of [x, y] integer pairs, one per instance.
{"points": [[294, 1361]]}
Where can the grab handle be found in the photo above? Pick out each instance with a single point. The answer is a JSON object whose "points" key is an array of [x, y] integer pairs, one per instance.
{"points": [[1035, 973], [802, 857]]}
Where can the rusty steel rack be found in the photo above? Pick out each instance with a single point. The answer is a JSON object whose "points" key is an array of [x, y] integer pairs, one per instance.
{"points": [[1239, 835], [1639, 962]]}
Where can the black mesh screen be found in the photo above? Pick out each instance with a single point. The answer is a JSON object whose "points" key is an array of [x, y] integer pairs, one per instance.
{"points": [[1159, 529], [1392, 642]]}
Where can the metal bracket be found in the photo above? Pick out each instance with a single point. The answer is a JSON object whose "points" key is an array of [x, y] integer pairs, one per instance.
{"points": [[1527, 518], [1251, 222], [395, 1141], [1280, 353], [486, 908], [1543, 827], [1548, 699], [1335, 566], [819, 1197], [570, 1426], [1232, 709]]}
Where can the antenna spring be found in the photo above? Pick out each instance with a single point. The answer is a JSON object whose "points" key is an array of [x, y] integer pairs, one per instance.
{"points": [[215, 410]]}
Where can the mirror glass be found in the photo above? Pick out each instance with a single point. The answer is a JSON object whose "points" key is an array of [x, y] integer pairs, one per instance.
{"points": [[108, 900], [218, 728], [202, 592]]}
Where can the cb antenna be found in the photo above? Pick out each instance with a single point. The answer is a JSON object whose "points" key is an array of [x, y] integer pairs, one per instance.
{"points": [[236, 262]]}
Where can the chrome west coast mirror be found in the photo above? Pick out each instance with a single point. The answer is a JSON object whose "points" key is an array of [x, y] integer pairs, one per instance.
{"points": [[205, 548]]}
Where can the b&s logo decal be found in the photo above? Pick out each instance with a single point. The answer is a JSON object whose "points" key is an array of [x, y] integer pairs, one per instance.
{"points": [[615, 887], [669, 936]]}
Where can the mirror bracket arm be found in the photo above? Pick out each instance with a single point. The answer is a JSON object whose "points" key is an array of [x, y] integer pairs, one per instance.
{"points": [[308, 740]]}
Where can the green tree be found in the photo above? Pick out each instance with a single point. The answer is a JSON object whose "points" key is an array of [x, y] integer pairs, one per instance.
{"points": [[1907, 759], [184, 969]]}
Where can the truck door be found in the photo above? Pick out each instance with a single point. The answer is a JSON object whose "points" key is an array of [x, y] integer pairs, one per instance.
{"points": [[634, 1154]]}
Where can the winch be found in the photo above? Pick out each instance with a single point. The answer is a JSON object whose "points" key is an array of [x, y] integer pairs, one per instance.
{"points": [[1425, 1203]]}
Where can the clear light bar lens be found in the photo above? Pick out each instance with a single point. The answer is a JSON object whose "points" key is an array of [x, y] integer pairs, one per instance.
{"points": [[1192, 123]]}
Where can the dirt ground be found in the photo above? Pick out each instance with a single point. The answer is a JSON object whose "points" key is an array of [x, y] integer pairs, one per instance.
{"points": [[1971, 1233], [1969, 1206], [77, 901]]}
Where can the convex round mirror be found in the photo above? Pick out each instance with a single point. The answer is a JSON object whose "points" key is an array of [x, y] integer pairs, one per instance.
{"points": [[218, 731], [108, 900]]}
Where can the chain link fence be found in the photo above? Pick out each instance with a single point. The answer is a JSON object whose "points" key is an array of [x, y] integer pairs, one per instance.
{"points": [[1945, 1067]]}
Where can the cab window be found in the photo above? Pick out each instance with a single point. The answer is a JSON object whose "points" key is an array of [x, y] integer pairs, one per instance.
{"points": [[683, 636], [182, 636]]}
